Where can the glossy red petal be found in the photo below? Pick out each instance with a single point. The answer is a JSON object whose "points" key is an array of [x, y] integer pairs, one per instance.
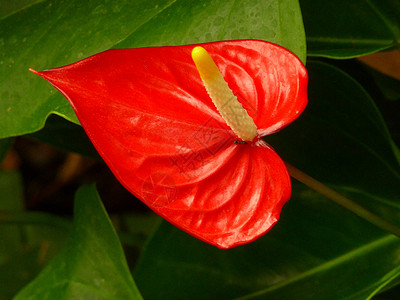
{"points": [[150, 118], [239, 200], [270, 81]]}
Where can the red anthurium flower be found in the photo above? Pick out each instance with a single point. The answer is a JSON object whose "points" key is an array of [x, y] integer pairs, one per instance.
{"points": [[149, 113]]}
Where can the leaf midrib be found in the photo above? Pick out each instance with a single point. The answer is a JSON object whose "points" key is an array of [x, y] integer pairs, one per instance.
{"points": [[21, 9], [144, 23], [363, 41], [327, 265]]}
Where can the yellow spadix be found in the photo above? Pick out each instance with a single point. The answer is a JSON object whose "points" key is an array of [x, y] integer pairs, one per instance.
{"points": [[222, 96]]}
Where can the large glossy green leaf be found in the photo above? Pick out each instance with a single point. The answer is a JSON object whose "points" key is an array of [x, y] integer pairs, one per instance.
{"points": [[316, 251], [188, 22], [344, 29], [92, 264], [341, 139], [54, 33]]}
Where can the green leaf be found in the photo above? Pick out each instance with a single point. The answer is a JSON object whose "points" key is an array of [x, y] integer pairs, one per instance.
{"points": [[341, 140], [314, 252], [188, 22], [53, 33], [92, 264], [9, 7], [345, 29]]}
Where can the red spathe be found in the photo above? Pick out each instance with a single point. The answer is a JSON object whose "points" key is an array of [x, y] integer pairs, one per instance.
{"points": [[149, 116]]}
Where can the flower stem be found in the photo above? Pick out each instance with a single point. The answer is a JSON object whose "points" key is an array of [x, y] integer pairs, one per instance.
{"points": [[342, 200]]}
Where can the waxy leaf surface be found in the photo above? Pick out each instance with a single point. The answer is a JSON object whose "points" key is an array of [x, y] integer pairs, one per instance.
{"points": [[150, 118]]}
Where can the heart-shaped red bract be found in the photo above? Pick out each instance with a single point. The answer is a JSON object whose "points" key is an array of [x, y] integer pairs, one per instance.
{"points": [[149, 116]]}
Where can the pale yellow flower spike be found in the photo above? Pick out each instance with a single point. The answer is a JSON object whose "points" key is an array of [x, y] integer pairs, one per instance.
{"points": [[222, 96]]}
